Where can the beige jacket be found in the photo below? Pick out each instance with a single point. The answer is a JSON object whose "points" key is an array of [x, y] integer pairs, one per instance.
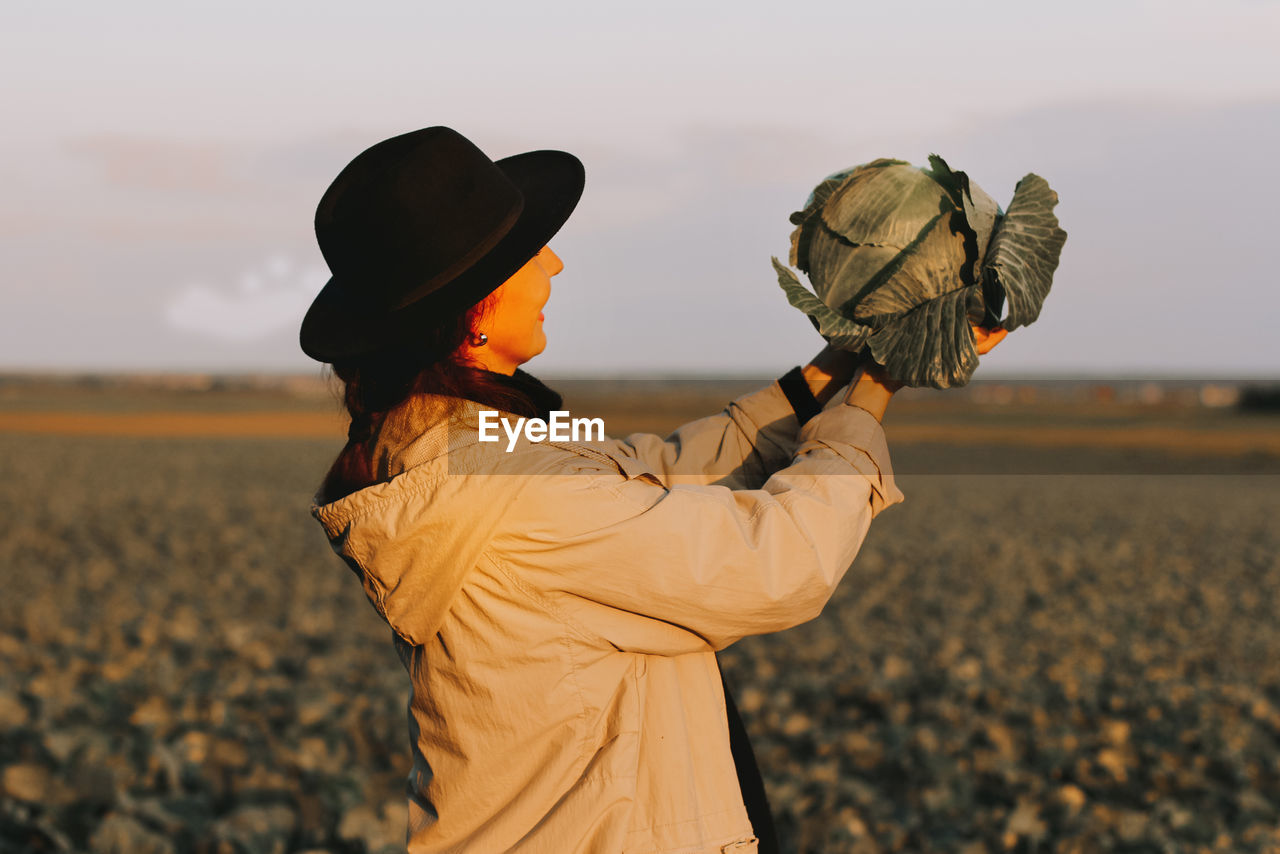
{"points": [[558, 608]]}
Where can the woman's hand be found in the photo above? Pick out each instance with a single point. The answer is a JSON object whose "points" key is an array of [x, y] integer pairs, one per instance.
{"points": [[985, 339], [873, 388], [830, 371]]}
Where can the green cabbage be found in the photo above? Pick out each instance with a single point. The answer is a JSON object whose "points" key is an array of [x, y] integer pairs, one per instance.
{"points": [[902, 260]]}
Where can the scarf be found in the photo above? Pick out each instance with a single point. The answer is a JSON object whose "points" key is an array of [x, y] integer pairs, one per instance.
{"points": [[543, 398]]}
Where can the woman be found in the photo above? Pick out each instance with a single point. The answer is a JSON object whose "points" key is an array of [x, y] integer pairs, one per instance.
{"points": [[558, 605]]}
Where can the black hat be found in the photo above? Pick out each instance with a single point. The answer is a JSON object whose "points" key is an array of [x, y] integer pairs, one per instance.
{"points": [[425, 224]]}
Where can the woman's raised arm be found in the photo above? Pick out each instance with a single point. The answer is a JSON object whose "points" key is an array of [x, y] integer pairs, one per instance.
{"points": [[669, 570]]}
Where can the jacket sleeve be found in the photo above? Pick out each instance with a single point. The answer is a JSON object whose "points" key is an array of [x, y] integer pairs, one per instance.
{"points": [[673, 569], [750, 439]]}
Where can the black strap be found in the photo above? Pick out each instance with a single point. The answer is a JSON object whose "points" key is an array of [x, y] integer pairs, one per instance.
{"points": [[798, 395], [749, 780]]}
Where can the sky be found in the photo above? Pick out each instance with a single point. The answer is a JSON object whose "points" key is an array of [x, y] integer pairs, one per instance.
{"points": [[162, 162]]}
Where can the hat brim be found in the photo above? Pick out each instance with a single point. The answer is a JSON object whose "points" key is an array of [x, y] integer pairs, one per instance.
{"points": [[340, 325]]}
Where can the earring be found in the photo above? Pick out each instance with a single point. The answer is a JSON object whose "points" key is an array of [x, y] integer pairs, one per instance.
{"points": [[479, 339]]}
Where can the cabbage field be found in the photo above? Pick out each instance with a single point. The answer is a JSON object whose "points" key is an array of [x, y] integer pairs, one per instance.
{"points": [[1056, 658]]}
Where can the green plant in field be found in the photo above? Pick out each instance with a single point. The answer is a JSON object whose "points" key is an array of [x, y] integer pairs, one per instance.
{"points": [[904, 259]]}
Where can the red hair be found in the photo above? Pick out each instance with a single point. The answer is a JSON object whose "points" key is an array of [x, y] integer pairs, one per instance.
{"points": [[376, 383]]}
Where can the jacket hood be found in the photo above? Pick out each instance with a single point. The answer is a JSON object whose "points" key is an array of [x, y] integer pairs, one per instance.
{"points": [[413, 537]]}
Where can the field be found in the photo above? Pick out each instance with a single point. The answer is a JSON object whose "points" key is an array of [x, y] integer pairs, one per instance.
{"points": [[1065, 639]]}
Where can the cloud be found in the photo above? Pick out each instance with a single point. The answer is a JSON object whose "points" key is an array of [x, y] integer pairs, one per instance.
{"points": [[264, 300], [1167, 203]]}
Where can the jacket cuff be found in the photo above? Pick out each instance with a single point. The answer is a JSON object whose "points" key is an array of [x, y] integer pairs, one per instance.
{"points": [[766, 418], [767, 407], [857, 437]]}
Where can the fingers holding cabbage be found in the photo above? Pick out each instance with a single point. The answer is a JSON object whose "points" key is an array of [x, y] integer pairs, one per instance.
{"points": [[915, 268]]}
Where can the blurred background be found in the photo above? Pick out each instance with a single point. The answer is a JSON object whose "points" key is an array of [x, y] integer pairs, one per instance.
{"points": [[1063, 640]]}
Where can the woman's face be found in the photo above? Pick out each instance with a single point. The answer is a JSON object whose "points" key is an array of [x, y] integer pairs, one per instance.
{"points": [[512, 318]]}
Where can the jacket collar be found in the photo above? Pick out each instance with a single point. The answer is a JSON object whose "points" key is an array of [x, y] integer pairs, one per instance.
{"points": [[417, 431]]}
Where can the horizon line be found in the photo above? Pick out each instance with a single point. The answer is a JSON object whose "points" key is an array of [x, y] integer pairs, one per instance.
{"points": [[1136, 375]]}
